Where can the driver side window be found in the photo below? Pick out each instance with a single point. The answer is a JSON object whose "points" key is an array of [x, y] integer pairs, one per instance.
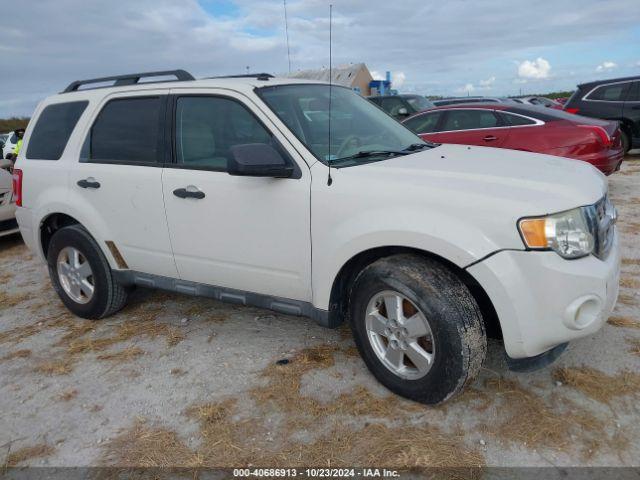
{"points": [[207, 128]]}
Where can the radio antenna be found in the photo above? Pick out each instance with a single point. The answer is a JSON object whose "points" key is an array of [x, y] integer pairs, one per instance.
{"points": [[329, 179], [286, 31]]}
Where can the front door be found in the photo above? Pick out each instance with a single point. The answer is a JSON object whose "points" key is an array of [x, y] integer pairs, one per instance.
{"points": [[245, 233]]}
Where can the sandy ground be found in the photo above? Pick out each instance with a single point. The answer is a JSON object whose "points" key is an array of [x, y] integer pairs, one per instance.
{"points": [[174, 380]]}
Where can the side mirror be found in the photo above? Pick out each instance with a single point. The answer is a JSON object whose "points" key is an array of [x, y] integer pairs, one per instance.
{"points": [[257, 160], [403, 112]]}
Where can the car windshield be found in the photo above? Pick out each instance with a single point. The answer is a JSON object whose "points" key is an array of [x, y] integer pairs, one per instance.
{"points": [[419, 103], [360, 131]]}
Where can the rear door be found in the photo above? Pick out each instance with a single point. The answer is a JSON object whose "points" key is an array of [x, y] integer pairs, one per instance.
{"points": [[471, 126], [632, 111], [246, 233], [605, 101], [118, 179]]}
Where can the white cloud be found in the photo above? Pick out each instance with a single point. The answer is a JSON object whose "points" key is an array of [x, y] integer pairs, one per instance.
{"points": [[488, 83], [397, 78], [536, 69], [606, 66], [467, 89]]}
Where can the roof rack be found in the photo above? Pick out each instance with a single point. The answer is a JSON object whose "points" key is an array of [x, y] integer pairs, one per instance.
{"points": [[130, 79], [258, 76]]}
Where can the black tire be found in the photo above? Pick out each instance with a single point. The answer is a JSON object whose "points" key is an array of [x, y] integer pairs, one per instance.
{"points": [[626, 142], [453, 315], [109, 296]]}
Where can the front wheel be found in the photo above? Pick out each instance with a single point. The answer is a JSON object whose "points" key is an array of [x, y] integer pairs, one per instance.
{"points": [[81, 274], [417, 327]]}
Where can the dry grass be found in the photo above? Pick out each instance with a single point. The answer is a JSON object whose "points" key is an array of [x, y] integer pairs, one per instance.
{"points": [[625, 322], [598, 385], [68, 395], [525, 418], [630, 282], [634, 344], [126, 355], [630, 261], [24, 353], [55, 367], [143, 446], [283, 391], [9, 300], [28, 453], [626, 299], [227, 443], [631, 227]]}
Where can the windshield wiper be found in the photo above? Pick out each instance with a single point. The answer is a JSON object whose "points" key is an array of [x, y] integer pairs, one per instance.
{"points": [[419, 146], [372, 153]]}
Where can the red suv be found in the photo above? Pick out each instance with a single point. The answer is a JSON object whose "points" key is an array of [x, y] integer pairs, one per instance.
{"points": [[522, 127]]}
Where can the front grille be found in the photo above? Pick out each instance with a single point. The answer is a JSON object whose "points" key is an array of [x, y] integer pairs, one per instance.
{"points": [[603, 219]]}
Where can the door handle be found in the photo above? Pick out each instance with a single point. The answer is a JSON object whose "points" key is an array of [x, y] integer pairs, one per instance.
{"points": [[490, 138], [184, 193], [88, 183]]}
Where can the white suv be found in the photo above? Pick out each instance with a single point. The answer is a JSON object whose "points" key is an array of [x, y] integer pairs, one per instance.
{"points": [[307, 199]]}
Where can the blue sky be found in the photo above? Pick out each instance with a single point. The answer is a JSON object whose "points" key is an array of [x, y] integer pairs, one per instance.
{"points": [[492, 47]]}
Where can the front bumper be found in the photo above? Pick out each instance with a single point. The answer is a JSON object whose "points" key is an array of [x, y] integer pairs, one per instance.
{"points": [[543, 300]]}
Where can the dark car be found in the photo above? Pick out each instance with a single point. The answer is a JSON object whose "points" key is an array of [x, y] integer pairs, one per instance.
{"points": [[523, 127], [460, 100], [401, 106], [615, 99]]}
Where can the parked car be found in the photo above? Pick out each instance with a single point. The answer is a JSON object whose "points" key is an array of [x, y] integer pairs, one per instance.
{"points": [[524, 127], [8, 224], [562, 100], [401, 106], [615, 99], [3, 139], [541, 102], [460, 100], [220, 187]]}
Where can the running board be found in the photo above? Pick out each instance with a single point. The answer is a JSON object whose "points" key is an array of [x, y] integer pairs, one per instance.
{"points": [[228, 295]]}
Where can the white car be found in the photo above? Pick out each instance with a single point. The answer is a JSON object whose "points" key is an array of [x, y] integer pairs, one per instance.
{"points": [[8, 224], [225, 188]]}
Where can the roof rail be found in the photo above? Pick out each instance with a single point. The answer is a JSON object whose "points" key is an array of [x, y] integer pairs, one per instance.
{"points": [[257, 76], [130, 79]]}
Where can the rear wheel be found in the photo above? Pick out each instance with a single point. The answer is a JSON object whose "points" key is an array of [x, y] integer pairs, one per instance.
{"points": [[626, 142], [417, 327], [81, 274]]}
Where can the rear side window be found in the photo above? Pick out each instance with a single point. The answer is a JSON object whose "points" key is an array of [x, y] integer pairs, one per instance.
{"points": [[53, 129], [610, 93], [469, 120], [517, 120], [634, 94], [425, 123], [127, 130]]}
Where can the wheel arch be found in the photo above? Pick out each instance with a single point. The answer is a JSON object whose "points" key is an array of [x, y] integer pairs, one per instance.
{"points": [[50, 225], [342, 284]]}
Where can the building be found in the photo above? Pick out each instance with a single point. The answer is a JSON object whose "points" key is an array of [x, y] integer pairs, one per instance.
{"points": [[355, 76]]}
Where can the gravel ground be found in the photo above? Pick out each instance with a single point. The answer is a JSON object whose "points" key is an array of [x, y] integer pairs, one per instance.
{"points": [[174, 380]]}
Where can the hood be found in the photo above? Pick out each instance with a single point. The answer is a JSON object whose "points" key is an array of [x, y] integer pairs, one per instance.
{"points": [[521, 183]]}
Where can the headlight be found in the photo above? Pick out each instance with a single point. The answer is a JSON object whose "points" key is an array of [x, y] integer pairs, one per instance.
{"points": [[567, 233]]}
